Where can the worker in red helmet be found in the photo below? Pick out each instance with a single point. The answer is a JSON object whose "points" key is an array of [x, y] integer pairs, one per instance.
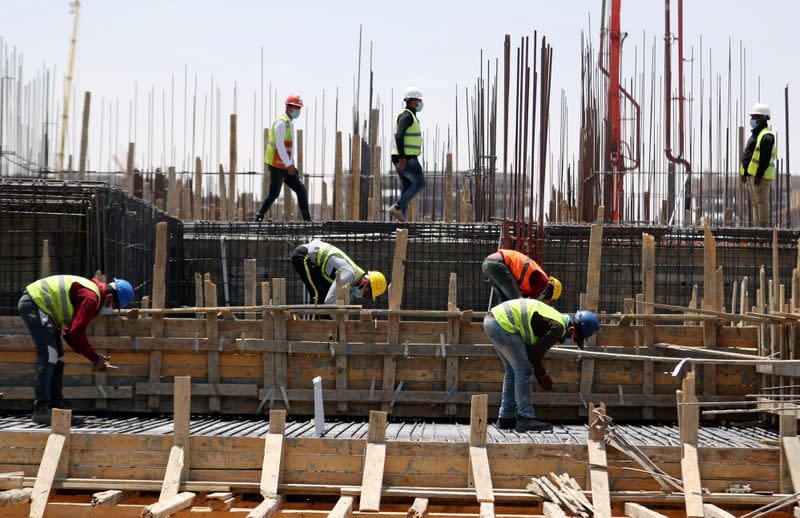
{"points": [[280, 162]]}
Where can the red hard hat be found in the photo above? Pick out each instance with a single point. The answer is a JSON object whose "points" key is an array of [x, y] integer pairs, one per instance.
{"points": [[294, 100]]}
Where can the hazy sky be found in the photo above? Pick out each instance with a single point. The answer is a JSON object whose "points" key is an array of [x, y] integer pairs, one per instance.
{"points": [[311, 46]]}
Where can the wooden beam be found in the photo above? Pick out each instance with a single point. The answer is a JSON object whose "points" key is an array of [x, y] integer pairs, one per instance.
{"points": [[689, 418], [712, 511], [709, 285], [419, 509], [790, 447], [232, 163], [374, 460], [598, 466], [648, 286], [338, 180], [55, 460], [178, 465], [272, 466], [197, 189], [250, 284], [480, 475], [552, 510], [343, 508], [448, 189], [15, 496], [266, 508], [639, 511], [355, 179], [109, 498], [167, 507], [595, 259], [486, 510]]}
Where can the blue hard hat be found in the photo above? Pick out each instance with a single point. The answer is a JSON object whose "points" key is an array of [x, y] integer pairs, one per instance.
{"points": [[587, 325], [124, 291]]}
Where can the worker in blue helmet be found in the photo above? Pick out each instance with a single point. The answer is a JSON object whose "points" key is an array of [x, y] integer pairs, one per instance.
{"points": [[63, 306], [522, 332]]}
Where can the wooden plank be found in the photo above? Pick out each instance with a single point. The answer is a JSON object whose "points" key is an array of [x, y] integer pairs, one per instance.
{"points": [[15, 496], [486, 510], [587, 380], [598, 466], [55, 460], [478, 420], [266, 508], [279, 331], [419, 509], [109, 498], [648, 382], [634, 510], [396, 287], [709, 285], [595, 259], [374, 460], [212, 357], [343, 508], [451, 374], [250, 284], [712, 511], [481, 473], [355, 179], [272, 467], [790, 447], [166, 507], [690, 473], [178, 465], [552, 510]]}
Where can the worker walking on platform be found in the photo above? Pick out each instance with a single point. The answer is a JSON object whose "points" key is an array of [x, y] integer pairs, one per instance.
{"points": [[758, 164], [64, 306], [317, 263], [514, 275], [523, 331], [280, 161], [406, 151]]}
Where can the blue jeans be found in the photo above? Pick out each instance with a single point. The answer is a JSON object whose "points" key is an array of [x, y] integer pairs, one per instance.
{"points": [[518, 378], [412, 179], [49, 378]]}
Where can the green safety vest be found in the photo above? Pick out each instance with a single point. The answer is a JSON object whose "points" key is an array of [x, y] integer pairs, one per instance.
{"points": [[752, 167], [326, 252], [272, 156], [51, 294], [515, 317], [412, 140]]}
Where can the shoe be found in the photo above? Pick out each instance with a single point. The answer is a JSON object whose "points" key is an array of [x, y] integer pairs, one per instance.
{"points": [[259, 218], [397, 213], [506, 423], [41, 415], [529, 424]]}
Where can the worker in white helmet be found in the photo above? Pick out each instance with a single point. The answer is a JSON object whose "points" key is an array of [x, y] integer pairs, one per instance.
{"points": [[758, 164], [406, 151]]}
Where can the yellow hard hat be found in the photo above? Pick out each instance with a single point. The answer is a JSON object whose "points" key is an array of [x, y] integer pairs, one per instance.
{"points": [[556, 288], [377, 283]]}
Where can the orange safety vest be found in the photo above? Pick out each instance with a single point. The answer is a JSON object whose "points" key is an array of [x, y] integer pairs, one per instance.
{"points": [[523, 268]]}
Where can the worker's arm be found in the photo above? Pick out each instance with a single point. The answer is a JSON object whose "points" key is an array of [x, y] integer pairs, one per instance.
{"points": [[767, 143], [404, 121], [85, 309], [348, 276], [548, 333], [280, 136]]}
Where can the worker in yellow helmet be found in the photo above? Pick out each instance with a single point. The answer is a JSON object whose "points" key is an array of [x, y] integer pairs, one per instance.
{"points": [[317, 263]]}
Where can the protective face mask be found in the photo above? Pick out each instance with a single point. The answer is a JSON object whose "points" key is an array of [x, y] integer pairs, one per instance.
{"points": [[106, 310], [419, 107], [753, 123], [294, 114], [357, 292]]}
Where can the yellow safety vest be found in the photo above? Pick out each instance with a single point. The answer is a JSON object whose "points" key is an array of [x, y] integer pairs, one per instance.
{"points": [[752, 167], [515, 317], [51, 294], [412, 140], [272, 156], [326, 252]]}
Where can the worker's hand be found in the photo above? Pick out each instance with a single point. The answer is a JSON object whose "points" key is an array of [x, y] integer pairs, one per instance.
{"points": [[101, 364], [292, 170], [545, 381], [757, 180], [401, 164], [744, 178]]}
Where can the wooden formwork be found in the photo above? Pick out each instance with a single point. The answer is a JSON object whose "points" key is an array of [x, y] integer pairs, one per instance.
{"points": [[103, 475]]}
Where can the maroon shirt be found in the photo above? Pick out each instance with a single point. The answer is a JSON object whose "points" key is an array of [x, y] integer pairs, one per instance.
{"points": [[86, 306]]}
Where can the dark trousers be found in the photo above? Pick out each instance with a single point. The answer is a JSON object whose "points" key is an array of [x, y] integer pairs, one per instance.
{"points": [[501, 279], [412, 180], [49, 378], [316, 285], [277, 177]]}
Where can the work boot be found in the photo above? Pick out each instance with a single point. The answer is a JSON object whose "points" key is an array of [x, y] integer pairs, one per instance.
{"points": [[506, 423], [529, 424], [75, 420], [259, 218], [41, 415], [397, 213]]}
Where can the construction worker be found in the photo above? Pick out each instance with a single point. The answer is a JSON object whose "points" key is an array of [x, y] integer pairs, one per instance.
{"points": [[279, 160], [758, 162], [405, 152], [522, 331], [317, 263], [514, 275], [64, 306]]}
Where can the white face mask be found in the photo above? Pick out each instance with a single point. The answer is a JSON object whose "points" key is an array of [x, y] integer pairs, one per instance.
{"points": [[106, 310]]}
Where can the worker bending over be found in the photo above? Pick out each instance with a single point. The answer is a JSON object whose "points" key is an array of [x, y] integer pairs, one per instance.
{"points": [[514, 275], [317, 263], [522, 331], [64, 306]]}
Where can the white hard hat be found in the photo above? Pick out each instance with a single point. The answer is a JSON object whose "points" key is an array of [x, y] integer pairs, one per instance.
{"points": [[760, 109], [412, 92]]}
